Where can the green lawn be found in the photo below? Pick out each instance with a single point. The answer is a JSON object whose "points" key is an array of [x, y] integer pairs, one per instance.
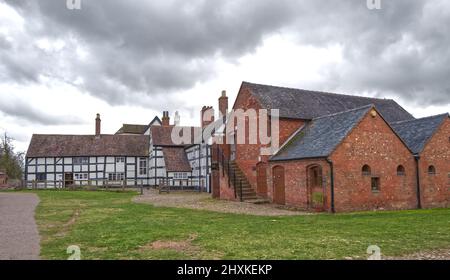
{"points": [[107, 225]]}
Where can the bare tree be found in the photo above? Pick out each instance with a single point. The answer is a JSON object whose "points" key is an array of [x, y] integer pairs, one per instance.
{"points": [[10, 161]]}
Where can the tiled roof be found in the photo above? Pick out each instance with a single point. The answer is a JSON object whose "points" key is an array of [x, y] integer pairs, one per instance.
{"points": [[416, 133], [320, 136], [46, 145], [137, 128], [162, 135], [305, 104], [176, 159], [132, 129]]}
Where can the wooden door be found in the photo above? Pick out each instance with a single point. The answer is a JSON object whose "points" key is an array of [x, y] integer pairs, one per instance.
{"points": [[68, 179], [278, 185], [316, 193], [261, 178]]}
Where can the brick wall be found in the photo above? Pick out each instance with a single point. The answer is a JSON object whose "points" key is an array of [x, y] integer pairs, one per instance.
{"points": [[435, 189], [248, 155], [226, 190], [296, 182], [372, 142]]}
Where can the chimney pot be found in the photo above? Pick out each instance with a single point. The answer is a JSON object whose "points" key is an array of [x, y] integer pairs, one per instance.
{"points": [[177, 118], [223, 104], [207, 116], [165, 119], [98, 125]]}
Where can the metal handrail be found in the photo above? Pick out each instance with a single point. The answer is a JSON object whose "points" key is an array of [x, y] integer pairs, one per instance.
{"points": [[226, 168]]}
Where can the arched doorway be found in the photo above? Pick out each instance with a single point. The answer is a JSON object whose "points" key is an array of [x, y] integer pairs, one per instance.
{"points": [[278, 185], [261, 178], [316, 193]]}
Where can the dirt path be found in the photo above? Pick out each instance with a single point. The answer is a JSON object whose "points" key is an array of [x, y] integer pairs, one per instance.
{"points": [[440, 254], [19, 237], [203, 201]]}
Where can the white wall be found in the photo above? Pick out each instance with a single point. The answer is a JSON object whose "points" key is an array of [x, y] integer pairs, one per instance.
{"points": [[97, 169]]}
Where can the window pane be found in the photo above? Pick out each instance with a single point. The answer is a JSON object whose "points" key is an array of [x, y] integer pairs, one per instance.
{"points": [[375, 184]]}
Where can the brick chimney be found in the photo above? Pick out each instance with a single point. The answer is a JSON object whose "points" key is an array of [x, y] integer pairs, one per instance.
{"points": [[98, 125], [223, 103], [176, 119], [165, 118], [207, 116]]}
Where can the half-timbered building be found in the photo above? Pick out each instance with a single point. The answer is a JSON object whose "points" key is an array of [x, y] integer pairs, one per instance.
{"points": [[179, 164], [135, 154], [62, 160]]}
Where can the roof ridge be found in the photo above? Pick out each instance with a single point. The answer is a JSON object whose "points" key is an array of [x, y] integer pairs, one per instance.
{"points": [[346, 111], [134, 124], [322, 92], [52, 134], [309, 126], [419, 119]]}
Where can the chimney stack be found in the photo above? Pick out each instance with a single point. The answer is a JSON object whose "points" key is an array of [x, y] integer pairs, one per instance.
{"points": [[207, 116], [177, 119], [165, 118], [98, 125], [223, 104]]}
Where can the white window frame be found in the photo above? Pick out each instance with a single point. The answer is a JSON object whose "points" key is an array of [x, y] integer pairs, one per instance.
{"points": [[80, 160], [180, 175], [120, 159], [118, 176], [142, 167], [81, 176]]}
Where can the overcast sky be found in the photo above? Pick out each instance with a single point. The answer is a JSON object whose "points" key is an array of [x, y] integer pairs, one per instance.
{"points": [[129, 60]]}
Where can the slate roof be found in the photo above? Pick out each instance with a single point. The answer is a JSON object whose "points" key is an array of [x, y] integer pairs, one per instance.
{"points": [[49, 145], [176, 159], [305, 104], [162, 135], [416, 133], [137, 128], [319, 137], [132, 129]]}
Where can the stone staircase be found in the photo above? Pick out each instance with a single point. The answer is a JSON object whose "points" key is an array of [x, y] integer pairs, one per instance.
{"points": [[248, 193]]}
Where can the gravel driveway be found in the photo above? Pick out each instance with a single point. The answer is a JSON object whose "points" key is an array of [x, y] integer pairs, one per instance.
{"points": [[19, 237], [203, 201]]}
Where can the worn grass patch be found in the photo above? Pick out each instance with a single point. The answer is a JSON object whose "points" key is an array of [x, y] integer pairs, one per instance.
{"points": [[109, 225]]}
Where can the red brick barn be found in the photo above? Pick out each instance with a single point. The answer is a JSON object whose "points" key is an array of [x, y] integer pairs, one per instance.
{"points": [[296, 108], [429, 140], [344, 162]]}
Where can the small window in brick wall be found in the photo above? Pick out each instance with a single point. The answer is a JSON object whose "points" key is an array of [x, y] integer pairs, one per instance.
{"points": [[375, 184], [401, 170], [366, 170], [431, 170]]}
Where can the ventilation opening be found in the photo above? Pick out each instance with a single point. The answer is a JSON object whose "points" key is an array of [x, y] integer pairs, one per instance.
{"points": [[366, 170]]}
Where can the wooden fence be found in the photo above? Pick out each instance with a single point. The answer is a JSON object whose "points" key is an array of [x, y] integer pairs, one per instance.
{"points": [[191, 184], [164, 185], [84, 184]]}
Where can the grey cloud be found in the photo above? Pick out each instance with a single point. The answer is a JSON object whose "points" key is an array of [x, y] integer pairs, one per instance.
{"points": [[153, 48], [400, 50], [148, 47], [25, 112]]}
